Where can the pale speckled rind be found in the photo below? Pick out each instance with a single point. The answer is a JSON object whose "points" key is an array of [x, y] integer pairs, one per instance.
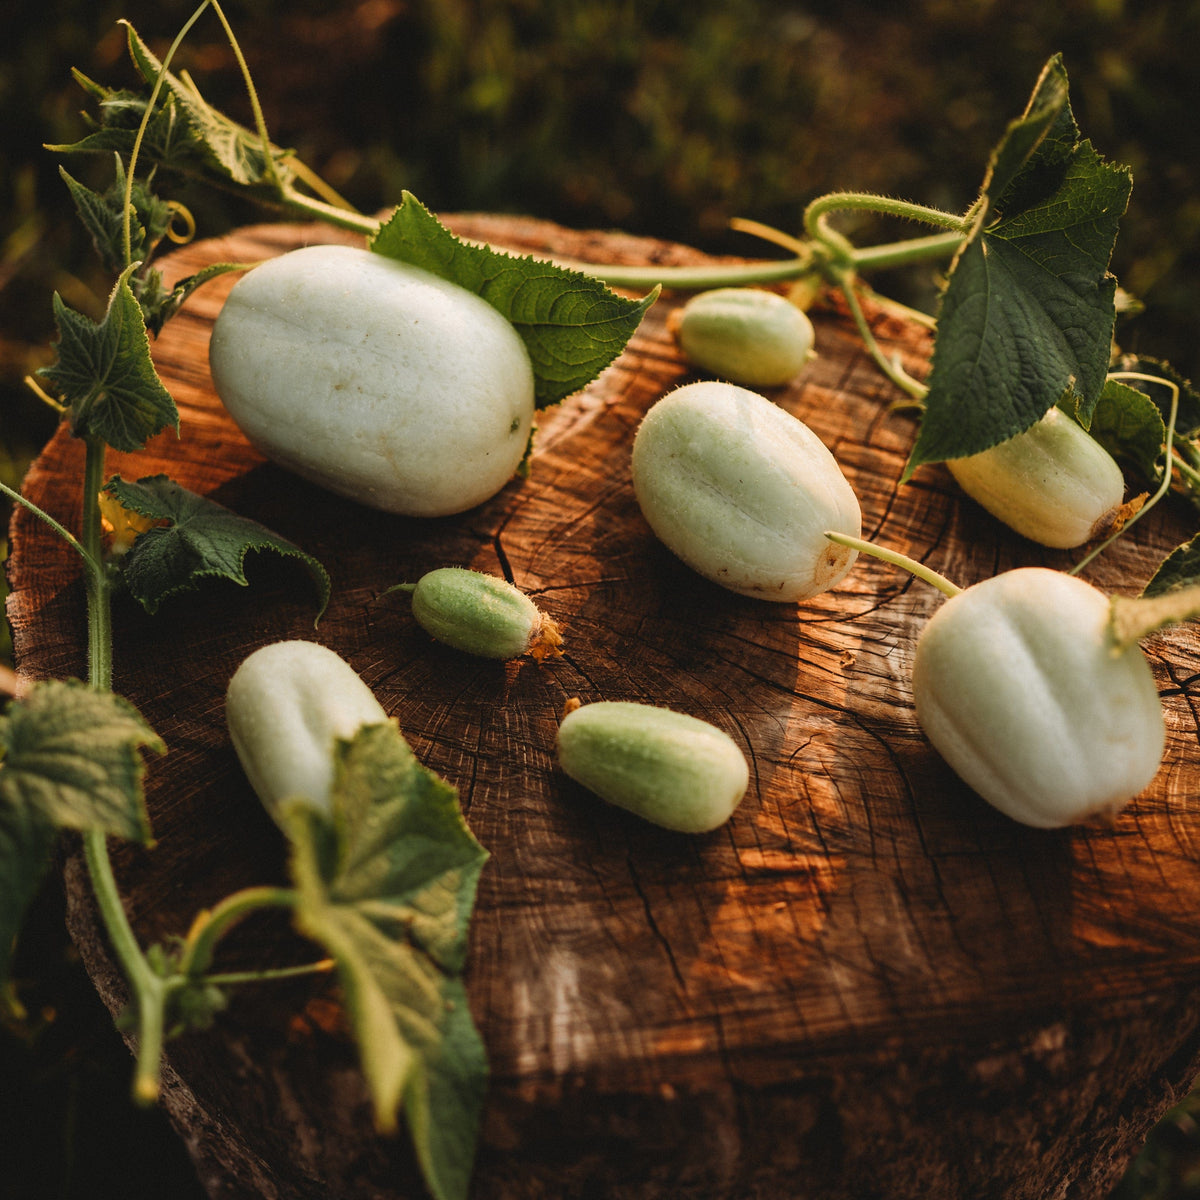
{"points": [[1016, 686], [374, 379], [1054, 483], [743, 492], [285, 707]]}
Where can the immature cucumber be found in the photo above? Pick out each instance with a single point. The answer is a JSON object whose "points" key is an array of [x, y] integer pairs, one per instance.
{"points": [[481, 614], [1054, 483], [744, 492], [744, 335], [670, 768]]}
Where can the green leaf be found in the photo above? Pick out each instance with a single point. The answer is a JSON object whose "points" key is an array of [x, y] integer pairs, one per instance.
{"points": [[386, 887], [1158, 388], [573, 325], [159, 304], [200, 539], [26, 841], [1129, 425], [104, 374], [1178, 571], [104, 218], [224, 148], [167, 140], [1027, 315], [71, 755], [184, 133]]}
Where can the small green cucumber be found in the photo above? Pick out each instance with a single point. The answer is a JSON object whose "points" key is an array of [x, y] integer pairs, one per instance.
{"points": [[672, 769], [744, 335], [481, 614]]}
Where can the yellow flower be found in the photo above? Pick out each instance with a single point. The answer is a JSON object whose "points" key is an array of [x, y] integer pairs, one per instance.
{"points": [[122, 524]]}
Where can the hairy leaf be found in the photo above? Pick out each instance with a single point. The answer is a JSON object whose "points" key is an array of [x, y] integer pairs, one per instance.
{"points": [[1027, 315], [184, 133], [387, 887], [1128, 424], [573, 325], [1160, 390], [198, 539], [71, 755], [160, 304], [104, 218], [227, 149], [104, 374], [167, 141]]}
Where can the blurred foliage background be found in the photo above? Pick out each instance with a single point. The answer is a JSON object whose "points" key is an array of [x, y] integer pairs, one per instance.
{"points": [[657, 117]]}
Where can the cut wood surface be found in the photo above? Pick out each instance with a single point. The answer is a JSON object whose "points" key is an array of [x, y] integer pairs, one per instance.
{"points": [[867, 984]]}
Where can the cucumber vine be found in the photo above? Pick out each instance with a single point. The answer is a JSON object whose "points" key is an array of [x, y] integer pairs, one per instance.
{"points": [[72, 754], [1026, 323]]}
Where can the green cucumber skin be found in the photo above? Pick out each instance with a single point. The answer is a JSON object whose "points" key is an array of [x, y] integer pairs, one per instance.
{"points": [[669, 768], [745, 335], [477, 613]]}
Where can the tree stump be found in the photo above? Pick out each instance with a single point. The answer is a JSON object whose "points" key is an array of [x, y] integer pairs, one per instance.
{"points": [[867, 984]]}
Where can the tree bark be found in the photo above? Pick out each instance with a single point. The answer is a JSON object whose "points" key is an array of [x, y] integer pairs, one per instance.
{"points": [[867, 984]]}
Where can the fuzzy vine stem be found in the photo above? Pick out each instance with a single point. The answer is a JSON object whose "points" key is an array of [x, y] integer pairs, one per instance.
{"points": [[911, 565], [211, 925], [42, 515], [233, 978], [99, 587], [891, 368], [817, 214], [1186, 469], [148, 987], [868, 258], [260, 123], [139, 137]]}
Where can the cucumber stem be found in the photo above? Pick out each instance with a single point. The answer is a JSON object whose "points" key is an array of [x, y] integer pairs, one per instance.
{"points": [[911, 565], [149, 990], [816, 215], [891, 368], [269, 974]]}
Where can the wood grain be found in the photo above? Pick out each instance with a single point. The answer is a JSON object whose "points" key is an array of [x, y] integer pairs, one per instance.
{"points": [[867, 984]]}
